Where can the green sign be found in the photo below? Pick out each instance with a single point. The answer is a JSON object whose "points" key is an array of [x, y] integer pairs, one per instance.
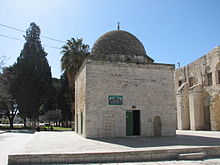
{"points": [[115, 100]]}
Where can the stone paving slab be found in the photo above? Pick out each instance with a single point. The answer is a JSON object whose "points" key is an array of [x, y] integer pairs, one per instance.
{"points": [[55, 144], [70, 142], [11, 143], [173, 162]]}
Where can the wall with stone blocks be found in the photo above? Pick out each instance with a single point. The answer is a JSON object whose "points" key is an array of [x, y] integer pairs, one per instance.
{"points": [[205, 104], [80, 101], [196, 108], [148, 88], [182, 99]]}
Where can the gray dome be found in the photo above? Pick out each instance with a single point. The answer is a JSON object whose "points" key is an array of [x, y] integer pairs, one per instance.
{"points": [[119, 46], [118, 42]]}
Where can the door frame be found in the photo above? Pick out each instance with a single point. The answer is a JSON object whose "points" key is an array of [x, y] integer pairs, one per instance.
{"points": [[131, 130]]}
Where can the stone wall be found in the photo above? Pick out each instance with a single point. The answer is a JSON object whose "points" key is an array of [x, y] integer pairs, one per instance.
{"points": [[148, 88], [196, 108], [80, 101], [204, 106], [182, 99]]}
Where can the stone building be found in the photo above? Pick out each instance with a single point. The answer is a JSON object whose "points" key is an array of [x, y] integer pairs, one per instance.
{"points": [[120, 91], [197, 88]]}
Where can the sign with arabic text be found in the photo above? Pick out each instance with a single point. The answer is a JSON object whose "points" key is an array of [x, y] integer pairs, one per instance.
{"points": [[115, 100]]}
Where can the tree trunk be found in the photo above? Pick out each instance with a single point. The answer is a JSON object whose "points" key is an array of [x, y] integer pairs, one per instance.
{"points": [[67, 124], [34, 125], [11, 119], [25, 122], [70, 77]]}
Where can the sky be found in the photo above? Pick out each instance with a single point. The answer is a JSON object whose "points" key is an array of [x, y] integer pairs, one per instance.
{"points": [[171, 31]]}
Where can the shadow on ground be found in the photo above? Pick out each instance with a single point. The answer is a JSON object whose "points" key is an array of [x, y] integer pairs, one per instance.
{"points": [[19, 131], [178, 140]]}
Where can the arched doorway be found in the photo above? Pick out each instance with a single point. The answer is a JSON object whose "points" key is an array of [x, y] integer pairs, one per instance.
{"points": [[157, 126]]}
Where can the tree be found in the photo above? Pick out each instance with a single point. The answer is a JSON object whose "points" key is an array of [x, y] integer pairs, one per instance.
{"points": [[51, 101], [56, 86], [65, 100], [7, 100], [33, 75], [74, 53], [2, 62], [53, 115]]}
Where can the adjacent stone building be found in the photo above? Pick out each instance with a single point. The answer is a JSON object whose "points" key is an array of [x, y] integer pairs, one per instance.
{"points": [[120, 91], [198, 93]]}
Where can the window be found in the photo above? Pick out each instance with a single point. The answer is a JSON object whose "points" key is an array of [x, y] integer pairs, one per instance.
{"points": [[218, 80], [180, 82], [209, 79], [191, 81]]}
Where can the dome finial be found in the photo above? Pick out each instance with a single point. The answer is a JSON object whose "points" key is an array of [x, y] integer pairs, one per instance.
{"points": [[118, 25]]}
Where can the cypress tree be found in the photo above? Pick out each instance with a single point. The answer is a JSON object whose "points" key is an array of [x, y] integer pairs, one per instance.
{"points": [[33, 75]]}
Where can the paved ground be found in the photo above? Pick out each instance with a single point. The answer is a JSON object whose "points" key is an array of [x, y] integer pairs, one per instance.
{"points": [[12, 142], [198, 162], [69, 142]]}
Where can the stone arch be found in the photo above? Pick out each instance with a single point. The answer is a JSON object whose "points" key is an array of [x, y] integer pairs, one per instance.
{"points": [[208, 69], [157, 126]]}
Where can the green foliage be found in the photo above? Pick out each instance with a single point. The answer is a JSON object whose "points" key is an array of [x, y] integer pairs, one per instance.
{"points": [[7, 99], [65, 98], [59, 98], [33, 75], [74, 53], [51, 101], [53, 115], [2, 62], [56, 128]]}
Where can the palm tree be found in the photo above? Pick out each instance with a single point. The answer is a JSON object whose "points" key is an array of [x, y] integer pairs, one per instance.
{"points": [[74, 52]]}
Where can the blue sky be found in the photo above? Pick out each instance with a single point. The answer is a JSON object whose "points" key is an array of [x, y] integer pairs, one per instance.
{"points": [[171, 30]]}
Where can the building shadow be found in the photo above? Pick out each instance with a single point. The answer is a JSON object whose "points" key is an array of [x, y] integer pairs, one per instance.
{"points": [[178, 140], [20, 131]]}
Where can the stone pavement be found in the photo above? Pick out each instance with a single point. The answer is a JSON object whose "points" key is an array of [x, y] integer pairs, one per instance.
{"points": [[69, 142], [173, 162], [12, 142]]}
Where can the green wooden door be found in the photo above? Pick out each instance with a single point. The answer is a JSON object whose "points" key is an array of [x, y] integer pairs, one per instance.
{"points": [[129, 123]]}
